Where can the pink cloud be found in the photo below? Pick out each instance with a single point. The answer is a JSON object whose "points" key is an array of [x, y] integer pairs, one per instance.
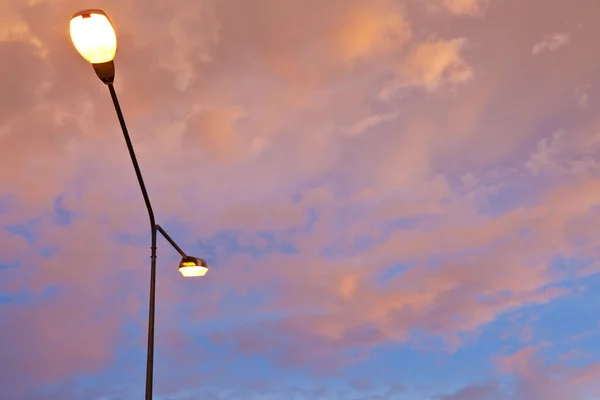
{"points": [[433, 62], [487, 392], [237, 107], [534, 379], [538, 380], [465, 7]]}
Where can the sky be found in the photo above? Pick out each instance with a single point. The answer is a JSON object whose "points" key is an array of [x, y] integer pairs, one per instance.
{"points": [[397, 199]]}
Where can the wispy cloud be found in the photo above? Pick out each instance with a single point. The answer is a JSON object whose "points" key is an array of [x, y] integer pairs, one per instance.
{"points": [[551, 43]]}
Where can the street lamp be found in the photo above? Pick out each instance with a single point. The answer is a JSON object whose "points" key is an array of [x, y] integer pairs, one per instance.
{"points": [[192, 266], [95, 39]]}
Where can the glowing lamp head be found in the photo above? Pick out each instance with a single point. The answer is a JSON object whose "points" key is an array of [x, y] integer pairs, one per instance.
{"points": [[94, 36], [192, 267]]}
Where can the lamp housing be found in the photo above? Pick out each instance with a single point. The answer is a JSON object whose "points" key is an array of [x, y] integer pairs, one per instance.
{"points": [[193, 267]]}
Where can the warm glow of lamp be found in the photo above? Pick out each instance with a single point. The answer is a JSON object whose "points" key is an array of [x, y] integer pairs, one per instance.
{"points": [[94, 36], [192, 267]]}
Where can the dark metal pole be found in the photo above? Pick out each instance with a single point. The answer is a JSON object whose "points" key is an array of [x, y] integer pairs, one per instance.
{"points": [[153, 228], [150, 355]]}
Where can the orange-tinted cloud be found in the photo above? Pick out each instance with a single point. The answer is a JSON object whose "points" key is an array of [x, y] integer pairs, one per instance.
{"points": [[464, 7]]}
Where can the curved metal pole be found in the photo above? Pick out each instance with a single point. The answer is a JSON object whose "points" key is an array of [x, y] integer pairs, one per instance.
{"points": [[153, 228]]}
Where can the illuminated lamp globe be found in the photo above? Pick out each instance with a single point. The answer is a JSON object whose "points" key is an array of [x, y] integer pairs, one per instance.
{"points": [[94, 36], [192, 267]]}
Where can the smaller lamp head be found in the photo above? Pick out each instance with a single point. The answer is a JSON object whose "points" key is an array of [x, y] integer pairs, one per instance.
{"points": [[94, 36], [192, 267]]}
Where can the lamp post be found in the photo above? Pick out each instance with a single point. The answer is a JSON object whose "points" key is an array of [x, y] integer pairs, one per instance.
{"points": [[95, 39]]}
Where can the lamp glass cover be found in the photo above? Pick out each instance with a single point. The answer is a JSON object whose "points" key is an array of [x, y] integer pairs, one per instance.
{"points": [[192, 270], [94, 37]]}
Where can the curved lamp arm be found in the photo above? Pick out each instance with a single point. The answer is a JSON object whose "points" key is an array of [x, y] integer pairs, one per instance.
{"points": [[171, 241]]}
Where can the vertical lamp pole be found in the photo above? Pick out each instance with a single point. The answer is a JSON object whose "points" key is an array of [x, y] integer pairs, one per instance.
{"points": [[95, 39]]}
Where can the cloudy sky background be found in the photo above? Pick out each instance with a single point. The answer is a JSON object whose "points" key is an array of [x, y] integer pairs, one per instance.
{"points": [[398, 200]]}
